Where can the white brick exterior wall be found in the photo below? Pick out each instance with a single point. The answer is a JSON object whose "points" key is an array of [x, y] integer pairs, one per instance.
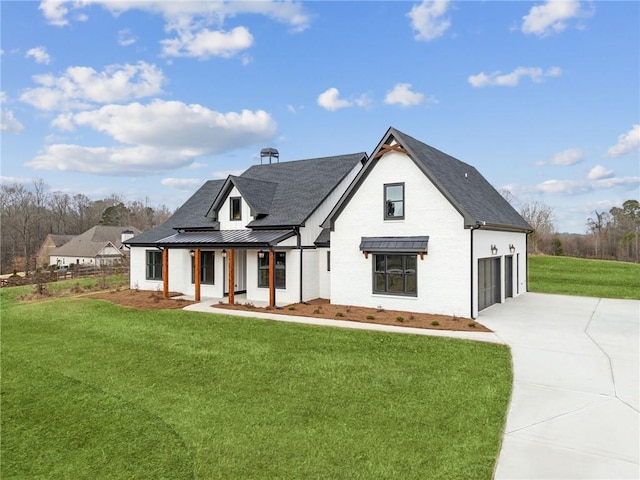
{"points": [[443, 275]]}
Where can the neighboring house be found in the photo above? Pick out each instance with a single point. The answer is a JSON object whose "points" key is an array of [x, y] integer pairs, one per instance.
{"points": [[100, 245], [51, 242], [409, 228]]}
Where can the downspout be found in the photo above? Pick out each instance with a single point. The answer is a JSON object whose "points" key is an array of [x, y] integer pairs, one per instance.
{"points": [[297, 230], [526, 260], [471, 263]]}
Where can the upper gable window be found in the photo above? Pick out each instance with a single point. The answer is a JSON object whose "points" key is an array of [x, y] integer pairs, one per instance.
{"points": [[235, 208], [393, 201]]}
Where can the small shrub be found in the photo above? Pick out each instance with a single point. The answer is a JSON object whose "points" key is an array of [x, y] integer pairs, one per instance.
{"points": [[291, 307], [249, 305], [370, 317], [411, 317], [400, 318], [472, 324], [435, 323], [339, 314], [380, 309], [316, 311], [348, 309]]}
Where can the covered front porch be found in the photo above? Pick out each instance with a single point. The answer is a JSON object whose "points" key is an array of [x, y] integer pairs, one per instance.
{"points": [[232, 250]]}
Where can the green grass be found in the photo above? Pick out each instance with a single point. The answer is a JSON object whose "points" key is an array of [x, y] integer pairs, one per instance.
{"points": [[585, 277], [94, 390]]}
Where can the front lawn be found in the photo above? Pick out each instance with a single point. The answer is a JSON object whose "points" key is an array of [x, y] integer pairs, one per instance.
{"points": [[586, 277], [94, 390]]}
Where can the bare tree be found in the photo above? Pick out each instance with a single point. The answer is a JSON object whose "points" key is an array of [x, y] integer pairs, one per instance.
{"points": [[540, 217]]}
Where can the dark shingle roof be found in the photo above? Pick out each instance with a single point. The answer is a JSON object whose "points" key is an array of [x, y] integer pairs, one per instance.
{"points": [[460, 183], [190, 214], [300, 186], [257, 193]]}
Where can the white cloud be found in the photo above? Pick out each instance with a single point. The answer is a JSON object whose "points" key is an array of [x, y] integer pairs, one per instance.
{"points": [[401, 94], [182, 183], [12, 180], [330, 100], [191, 21], [627, 142], [551, 17], [139, 160], [39, 54], [206, 43], [8, 122], [173, 124], [498, 79], [576, 187], [428, 19], [599, 172], [126, 37], [160, 136], [79, 87], [571, 156]]}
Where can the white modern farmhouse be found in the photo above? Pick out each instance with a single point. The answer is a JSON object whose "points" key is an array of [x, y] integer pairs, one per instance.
{"points": [[408, 228]]}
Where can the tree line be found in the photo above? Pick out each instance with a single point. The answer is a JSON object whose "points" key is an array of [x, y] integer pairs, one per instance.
{"points": [[612, 234], [28, 213]]}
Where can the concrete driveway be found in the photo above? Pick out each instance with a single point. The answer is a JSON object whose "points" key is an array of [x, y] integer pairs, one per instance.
{"points": [[575, 411]]}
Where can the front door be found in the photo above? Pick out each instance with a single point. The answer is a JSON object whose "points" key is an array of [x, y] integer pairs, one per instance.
{"points": [[239, 272]]}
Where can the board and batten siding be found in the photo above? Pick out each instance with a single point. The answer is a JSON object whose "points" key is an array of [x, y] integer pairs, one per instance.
{"points": [[443, 276]]}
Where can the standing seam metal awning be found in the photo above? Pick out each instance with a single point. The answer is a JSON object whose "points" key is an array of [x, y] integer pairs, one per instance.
{"points": [[394, 244], [227, 238]]}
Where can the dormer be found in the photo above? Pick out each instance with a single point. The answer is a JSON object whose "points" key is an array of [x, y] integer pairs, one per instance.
{"points": [[241, 201]]}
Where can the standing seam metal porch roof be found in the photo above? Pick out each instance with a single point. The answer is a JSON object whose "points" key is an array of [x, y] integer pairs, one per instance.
{"points": [[227, 238], [394, 244]]}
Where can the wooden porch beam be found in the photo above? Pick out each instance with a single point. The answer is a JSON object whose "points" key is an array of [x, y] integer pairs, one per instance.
{"points": [[196, 267], [165, 273], [232, 276], [272, 278]]}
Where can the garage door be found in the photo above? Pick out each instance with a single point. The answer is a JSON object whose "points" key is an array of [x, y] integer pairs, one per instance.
{"points": [[488, 282]]}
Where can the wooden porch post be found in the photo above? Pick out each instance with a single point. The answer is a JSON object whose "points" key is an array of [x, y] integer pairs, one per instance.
{"points": [[232, 276], [196, 262], [165, 273], [272, 278]]}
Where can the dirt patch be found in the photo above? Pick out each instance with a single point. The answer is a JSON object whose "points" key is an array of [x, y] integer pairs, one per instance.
{"points": [[321, 308], [142, 299]]}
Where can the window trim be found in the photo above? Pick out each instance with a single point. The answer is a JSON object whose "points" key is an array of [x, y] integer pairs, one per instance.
{"points": [[384, 205], [231, 209], [386, 291], [263, 264], [155, 265], [203, 267]]}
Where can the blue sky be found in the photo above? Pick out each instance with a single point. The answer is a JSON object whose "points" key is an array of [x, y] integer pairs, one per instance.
{"points": [[150, 99]]}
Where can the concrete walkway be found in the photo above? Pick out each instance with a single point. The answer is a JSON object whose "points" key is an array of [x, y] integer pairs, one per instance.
{"points": [[575, 410], [208, 306]]}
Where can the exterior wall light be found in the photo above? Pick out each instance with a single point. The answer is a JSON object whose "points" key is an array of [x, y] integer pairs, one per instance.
{"points": [[260, 254], [224, 253], [494, 250], [192, 253], [512, 248]]}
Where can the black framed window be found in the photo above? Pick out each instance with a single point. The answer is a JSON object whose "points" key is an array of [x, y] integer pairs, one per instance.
{"points": [[236, 208], [394, 201], [154, 265], [328, 261], [395, 274], [207, 263], [280, 267]]}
